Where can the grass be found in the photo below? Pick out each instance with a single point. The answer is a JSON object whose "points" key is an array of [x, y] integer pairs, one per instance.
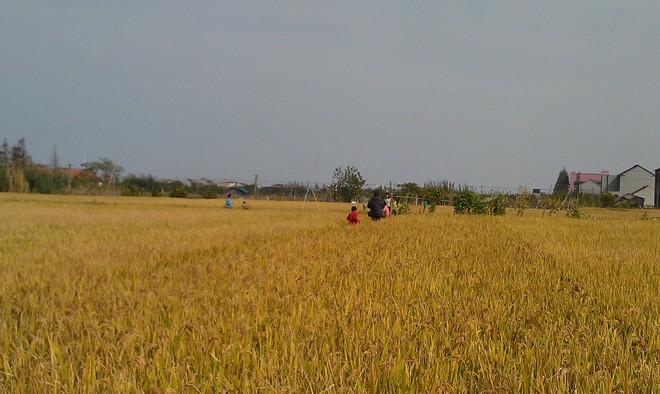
{"points": [[164, 295]]}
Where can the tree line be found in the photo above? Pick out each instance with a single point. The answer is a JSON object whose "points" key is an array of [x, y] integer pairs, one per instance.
{"points": [[19, 174]]}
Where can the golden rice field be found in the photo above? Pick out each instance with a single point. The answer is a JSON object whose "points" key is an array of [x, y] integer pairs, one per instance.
{"points": [[122, 295]]}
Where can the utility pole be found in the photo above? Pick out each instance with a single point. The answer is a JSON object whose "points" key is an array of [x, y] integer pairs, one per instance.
{"points": [[256, 179]]}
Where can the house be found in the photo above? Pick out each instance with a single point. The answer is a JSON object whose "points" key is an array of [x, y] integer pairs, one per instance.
{"points": [[657, 188], [576, 178], [79, 173], [229, 184], [632, 197], [636, 183], [238, 192], [588, 187], [201, 182], [68, 172]]}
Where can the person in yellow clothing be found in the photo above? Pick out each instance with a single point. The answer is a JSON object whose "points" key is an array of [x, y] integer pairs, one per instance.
{"points": [[395, 206]]}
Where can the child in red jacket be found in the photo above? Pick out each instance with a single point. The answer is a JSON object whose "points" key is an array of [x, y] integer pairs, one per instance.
{"points": [[353, 216]]}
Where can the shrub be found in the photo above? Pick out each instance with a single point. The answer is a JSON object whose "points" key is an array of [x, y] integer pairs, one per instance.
{"points": [[131, 190], [496, 205], [179, 191], [469, 202], [209, 194], [521, 201], [575, 213], [607, 199], [45, 183]]}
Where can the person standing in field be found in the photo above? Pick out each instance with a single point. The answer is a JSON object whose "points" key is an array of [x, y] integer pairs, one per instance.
{"points": [[376, 205], [388, 203], [353, 216], [228, 201]]}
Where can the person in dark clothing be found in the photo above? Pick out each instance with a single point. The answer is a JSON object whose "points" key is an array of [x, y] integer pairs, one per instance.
{"points": [[376, 205]]}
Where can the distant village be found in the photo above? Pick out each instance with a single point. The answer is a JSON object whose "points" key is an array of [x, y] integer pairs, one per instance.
{"points": [[635, 186]]}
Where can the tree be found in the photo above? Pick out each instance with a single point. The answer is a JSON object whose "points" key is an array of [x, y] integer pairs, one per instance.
{"points": [[4, 167], [179, 190], [19, 157], [409, 188], [438, 193], [4, 154], [606, 200], [40, 181], [15, 162], [136, 185], [468, 202], [563, 184], [347, 183], [496, 205], [55, 160], [521, 201], [105, 169]]}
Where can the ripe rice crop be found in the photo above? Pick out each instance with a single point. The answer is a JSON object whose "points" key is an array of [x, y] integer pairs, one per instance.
{"points": [[102, 294]]}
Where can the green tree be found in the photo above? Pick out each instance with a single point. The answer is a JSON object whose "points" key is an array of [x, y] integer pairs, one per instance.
{"points": [[468, 202], [562, 185], [137, 185], [105, 169], [179, 190], [521, 201], [19, 157], [496, 205], [4, 166], [347, 183], [15, 161], [409, 188], [606, 200], [438, 193], [55, 160], [44, 182]]}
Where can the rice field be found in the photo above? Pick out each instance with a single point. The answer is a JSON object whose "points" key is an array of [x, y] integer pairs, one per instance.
{"points": [[160, 295]]}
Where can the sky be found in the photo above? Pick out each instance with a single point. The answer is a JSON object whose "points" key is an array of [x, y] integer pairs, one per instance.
{"points": [[492, 94]]}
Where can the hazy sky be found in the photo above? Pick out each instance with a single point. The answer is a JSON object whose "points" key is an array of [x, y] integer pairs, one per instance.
{"points": [[493, 93]]}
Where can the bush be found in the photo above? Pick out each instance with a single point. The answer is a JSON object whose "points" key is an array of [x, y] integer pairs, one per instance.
{"points": [[470, 203], [496, 205], [462, 202], [45, 183], [522, 201], [131, 190], [575, 213], [467, 202], [209, 194], [137, 185], [179, 191], [606, 200]]}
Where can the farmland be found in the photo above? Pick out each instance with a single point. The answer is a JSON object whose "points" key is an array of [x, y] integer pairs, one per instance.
{"points": [[121, 294]]}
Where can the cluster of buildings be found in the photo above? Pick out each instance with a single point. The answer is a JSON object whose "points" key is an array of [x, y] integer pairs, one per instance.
{"points": [[636, 184], [238, 189], [69, 172]]}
